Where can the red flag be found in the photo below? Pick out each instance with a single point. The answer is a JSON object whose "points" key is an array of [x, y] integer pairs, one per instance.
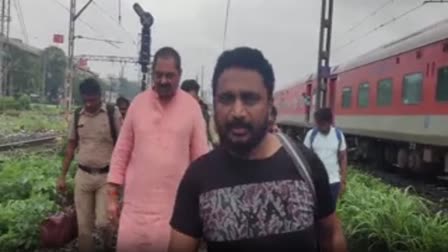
{"points": [[82, 63], [58, 38]]}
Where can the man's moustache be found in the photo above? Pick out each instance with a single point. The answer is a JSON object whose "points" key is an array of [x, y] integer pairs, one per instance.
{"points": [[233, 125]]}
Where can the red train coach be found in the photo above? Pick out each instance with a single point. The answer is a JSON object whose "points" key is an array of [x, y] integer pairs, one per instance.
{"points": [[392, 102]]}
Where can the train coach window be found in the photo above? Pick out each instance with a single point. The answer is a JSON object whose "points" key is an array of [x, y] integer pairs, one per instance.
{"points": [[412, 88], [442, 84], [346, 97], [363, 95], [384, 94]]}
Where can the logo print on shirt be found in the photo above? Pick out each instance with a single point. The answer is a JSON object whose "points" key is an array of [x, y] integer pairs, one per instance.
{"points": [[256, 210]]}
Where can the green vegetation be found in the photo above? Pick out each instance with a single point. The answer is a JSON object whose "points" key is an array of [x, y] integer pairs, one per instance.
{"points": [[377, 217], [40, 118], [27, 196], [10, 103]]}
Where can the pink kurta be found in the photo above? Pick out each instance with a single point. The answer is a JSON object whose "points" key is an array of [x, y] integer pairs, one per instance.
{"points": [[155, 146]]}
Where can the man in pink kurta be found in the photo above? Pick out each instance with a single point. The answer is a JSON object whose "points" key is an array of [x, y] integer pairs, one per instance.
{"points": [[162, 133]]}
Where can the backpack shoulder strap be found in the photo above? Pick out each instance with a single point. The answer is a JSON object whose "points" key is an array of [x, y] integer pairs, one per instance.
{"points": [[314, 132], [110, 115], [299, 160], [339, 136], [76, 116]]}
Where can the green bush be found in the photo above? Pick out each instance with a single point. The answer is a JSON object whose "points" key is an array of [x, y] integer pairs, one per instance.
{"points": [[27, 196], [378, 217], [20, 221], [24, 102], [8, 103]]}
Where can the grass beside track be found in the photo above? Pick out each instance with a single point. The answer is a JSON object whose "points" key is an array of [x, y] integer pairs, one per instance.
{"points": [[381, 218], [38, 119]]}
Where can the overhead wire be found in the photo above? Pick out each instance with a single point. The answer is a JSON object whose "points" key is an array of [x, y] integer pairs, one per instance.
{"points": [[18, 8], [106, 14], [226, 25], [373, 13], [80, 20], [381, 26]]}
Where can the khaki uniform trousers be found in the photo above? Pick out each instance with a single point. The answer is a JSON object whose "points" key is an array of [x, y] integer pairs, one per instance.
{"points": [[91, 208]]}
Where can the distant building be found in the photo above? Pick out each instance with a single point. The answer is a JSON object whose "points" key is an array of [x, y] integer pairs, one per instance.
{"points": [[8, 48]]}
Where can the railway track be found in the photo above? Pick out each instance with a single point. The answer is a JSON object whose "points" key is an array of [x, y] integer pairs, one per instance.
{"points": [[29, 142]]}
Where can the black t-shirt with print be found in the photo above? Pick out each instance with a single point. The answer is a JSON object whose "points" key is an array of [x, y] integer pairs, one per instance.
{"points": [[251, 205]]}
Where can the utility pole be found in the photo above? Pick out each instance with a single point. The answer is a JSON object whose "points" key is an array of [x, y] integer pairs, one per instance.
{"points": [[119, 12], [68, 92], [8, 18], [323, 64], [5, 17], [2, 28], [5, 20], [44, 75]]}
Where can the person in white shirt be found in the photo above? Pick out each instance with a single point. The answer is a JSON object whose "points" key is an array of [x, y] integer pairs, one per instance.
{"points": [[328, 142]]}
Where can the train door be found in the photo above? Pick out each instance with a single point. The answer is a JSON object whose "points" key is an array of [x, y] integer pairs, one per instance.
{"points": [[307, 101]]}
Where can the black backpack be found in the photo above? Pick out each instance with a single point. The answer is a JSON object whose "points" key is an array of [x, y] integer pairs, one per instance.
{"points": [[110, 115]]}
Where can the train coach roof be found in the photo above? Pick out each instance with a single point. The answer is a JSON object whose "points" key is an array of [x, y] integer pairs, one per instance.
{"points": [[428, 35]]}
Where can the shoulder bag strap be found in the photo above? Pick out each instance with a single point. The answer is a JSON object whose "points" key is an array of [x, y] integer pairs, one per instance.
{"points": [[300, 162]]}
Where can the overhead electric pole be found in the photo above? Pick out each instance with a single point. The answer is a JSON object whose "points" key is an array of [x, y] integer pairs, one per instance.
{"points": [[5, 20], [71, 48], [8, 17], [2, 28], [323, 64], [5, 17]]}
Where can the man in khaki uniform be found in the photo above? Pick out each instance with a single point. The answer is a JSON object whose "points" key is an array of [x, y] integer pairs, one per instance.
{"points": [[192, 87], [97, 126]]}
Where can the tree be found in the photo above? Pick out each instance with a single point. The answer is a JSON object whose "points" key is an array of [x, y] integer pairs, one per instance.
{"points": [[54, 64]]}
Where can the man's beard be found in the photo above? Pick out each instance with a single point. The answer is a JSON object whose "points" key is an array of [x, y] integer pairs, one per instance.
{"points": [[242, 148]]}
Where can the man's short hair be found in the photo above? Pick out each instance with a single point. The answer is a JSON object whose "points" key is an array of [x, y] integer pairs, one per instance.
{"points": [[245, 58], [90, 86], [190, 85], [122, 100], [324, 115], [168, 52]]}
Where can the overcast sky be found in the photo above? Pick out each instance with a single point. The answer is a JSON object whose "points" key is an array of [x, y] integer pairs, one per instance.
{"points": [[285, 30]]}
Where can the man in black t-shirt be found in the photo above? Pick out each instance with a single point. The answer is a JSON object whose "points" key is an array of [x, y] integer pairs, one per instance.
{"points": [[248, 194]]}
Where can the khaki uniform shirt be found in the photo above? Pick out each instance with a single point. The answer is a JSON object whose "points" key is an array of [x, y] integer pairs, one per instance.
{"points": [[95, 143]]}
